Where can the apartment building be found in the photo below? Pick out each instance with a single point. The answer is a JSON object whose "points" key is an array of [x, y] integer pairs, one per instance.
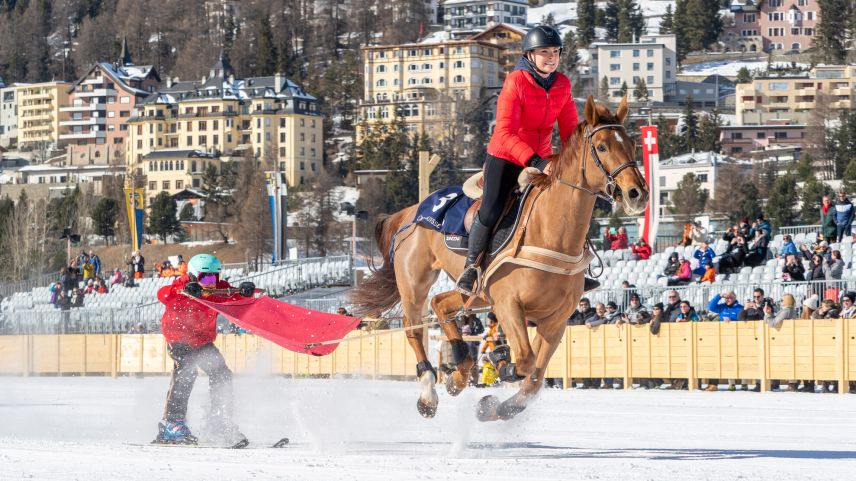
{"points": [[652, 59], [507, 36], [765, 25], [425, 83], [39, 115], [480, 14], [221, 119], [771, 99], [99, 105], [706, 166], [745, 141], [8, 116]]}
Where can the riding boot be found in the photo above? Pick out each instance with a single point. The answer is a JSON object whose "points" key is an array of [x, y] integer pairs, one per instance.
{"points": [[476, 245]]}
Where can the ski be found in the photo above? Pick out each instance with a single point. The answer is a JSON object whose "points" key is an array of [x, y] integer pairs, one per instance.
{"points": [[242, 444]]}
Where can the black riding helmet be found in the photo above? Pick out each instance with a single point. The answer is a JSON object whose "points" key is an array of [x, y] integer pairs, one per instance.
{"points": [[540, 37]]}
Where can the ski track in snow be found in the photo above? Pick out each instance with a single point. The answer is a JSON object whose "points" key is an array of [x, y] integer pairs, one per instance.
{"points": [[97, 429]]}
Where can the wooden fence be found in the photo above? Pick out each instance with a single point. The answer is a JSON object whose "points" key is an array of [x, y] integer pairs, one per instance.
{"points": [[801, 349]]}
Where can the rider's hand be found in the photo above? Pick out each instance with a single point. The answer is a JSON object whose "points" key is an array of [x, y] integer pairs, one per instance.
{"points": [[193, 288], [247, 289], [538, 162]]}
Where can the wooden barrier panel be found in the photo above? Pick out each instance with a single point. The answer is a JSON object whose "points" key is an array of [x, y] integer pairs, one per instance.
{"points": [[14, 354], [44, 354]]}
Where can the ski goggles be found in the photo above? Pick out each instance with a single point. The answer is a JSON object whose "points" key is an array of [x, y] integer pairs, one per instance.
{"points": [[208, 279]]}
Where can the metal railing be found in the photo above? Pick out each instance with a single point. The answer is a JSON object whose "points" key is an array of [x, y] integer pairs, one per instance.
{"points": [[799, 229], [43, 280]]}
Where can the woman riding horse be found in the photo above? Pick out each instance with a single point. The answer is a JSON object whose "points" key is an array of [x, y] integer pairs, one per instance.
{"points": [[533, 97]]}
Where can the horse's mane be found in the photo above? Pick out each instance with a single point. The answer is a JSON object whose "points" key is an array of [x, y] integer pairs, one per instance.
{"points": [[572, 150]]}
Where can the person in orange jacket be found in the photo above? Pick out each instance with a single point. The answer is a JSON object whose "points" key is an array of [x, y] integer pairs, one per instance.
{"points": [[533, 98]]}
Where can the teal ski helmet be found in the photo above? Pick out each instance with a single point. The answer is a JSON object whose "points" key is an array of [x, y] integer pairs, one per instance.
{"points": [[202, 264]]}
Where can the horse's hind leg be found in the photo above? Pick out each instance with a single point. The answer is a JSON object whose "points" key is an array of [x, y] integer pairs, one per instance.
{"points": [[413, 299], [445, 306], [547, 339]]}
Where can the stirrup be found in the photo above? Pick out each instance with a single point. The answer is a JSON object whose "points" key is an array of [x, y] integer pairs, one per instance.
{"points": [[476, 285]]}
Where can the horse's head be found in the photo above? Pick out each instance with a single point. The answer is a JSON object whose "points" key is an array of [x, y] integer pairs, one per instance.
{"points": [[608, 157]]}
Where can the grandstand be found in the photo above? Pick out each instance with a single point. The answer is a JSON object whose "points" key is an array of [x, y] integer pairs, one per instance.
{"points": [[125, 308]]}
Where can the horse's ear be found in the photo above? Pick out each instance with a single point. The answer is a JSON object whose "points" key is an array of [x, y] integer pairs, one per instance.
{"points": [[621, 113], [590, 111]]}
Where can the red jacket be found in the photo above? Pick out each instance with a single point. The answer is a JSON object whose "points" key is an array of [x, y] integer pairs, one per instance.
{"points": [[617, 241], [644, 252], [525, 114], [186, 321]]}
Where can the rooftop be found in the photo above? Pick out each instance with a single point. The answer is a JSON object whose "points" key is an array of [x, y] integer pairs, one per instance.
{"points": [[700, 159], [180, 154]]}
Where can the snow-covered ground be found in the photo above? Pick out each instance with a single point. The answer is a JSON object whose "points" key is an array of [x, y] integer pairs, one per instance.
{"points": [[729, 68], [98, 429]]}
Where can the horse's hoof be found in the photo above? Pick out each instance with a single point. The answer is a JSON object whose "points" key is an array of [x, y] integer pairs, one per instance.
{"points": [[508, 410], [427, 411], [487, 408], [453, 387]]}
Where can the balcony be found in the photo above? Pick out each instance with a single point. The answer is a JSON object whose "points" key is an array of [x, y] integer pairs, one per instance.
{"points": [[96, 93], [845, 91], [804, 105], [89, 121], [94, 81], [36, 96], [38, 116], [841, 104], [82, 108], [83, 135], [807, 91]]}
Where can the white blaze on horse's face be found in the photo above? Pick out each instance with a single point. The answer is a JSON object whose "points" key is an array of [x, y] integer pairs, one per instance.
{"points": [[618, 137]]}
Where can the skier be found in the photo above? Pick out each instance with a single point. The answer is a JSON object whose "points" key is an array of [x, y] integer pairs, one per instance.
{"points": [[190, 329], [533, 98]]}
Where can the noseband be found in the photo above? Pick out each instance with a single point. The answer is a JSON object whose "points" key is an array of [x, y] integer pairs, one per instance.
{"points": [[611, 185]]}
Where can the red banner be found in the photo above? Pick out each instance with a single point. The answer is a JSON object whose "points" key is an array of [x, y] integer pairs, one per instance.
{"points": [[292, 327], [650, 159]]}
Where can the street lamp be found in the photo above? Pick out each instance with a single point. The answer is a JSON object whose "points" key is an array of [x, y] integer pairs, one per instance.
{"points": [[69, 237]]}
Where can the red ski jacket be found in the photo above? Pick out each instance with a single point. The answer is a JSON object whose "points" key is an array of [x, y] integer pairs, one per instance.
{"points": [[525, 114], [186, 321]]}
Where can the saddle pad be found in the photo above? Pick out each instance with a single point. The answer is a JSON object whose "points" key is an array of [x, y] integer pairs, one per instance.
{"points": [[504, 231], [444, 211]]}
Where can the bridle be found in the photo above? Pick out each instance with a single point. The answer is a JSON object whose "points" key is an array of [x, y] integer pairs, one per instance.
{"points": [[611, 185]]}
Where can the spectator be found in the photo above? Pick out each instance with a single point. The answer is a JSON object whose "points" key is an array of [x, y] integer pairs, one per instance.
{"points": [[843, 216], [617, 239], [63, 302], [793, 270], [96, 262], [815, 268], [599, 316], [687, 313], [687, 236], [697, 233], [641, 249], [635, 312], [657, 318], [77, 298], [90, 287], [55, 289], [672, 265], [754, 308], [182, 267], [117, 278], [822, 249], [583, 312], [763, 226], [613, 316], [493, 336], [827, 218], [88, 269], [757, 249], [732, 260], [100, 287], [730, 234], [809, 306], [344, 312], [672, 308], [834, 267], [788, 247], [744, 230], [728, 309], [709, 274], [69, 279], [705, 256], [129, 279], [683, 276], [138, 265], [629, 290], [826, 310], [788, 311], [848, 309]]}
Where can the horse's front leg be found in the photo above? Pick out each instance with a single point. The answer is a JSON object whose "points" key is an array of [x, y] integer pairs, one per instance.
{"points": [[446, 306], [547, 338]]}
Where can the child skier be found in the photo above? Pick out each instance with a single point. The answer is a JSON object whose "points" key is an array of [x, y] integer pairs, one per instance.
{"points": [[190, 329]]}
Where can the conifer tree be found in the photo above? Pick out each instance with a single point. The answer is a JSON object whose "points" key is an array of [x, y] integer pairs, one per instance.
{"points": [[163, 219], [830, 38], [570, 56], [667, 24], [640, 92], [586, 19], [743, 76], [708, 132], [782, 198], [604, 89], [690, 129], [689, 198]]}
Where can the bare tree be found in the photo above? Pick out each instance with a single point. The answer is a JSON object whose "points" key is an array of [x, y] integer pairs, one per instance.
{"points": [[253, 226]]}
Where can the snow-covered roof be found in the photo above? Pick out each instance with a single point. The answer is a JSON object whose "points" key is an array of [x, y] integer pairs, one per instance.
{"points": [[699, 159], [729, 68], [179, 154]]}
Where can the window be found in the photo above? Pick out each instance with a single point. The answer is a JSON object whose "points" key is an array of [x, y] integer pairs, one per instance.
{"points": [[124, 100], [614, 53], [165, 185], [649, 79], [736, 135], [203, 125], [380, 69], [426, 66], [458, 64], [614, 67], [614, 81], [459, 79], [668, 61], [649, 66], [759, 135], [189, 140], [702, 177], [635, 52], [748, 18], [380, 83], [153, 185], [635, 67]]}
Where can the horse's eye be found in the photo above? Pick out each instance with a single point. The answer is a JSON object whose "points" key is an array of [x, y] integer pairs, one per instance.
{"points": [[601, 148]]}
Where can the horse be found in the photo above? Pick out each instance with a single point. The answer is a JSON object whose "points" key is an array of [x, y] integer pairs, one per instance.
{"points": [[559, 213]]}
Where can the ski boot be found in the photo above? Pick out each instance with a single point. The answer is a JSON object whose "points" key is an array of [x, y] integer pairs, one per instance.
{"points": [[176, 432]]}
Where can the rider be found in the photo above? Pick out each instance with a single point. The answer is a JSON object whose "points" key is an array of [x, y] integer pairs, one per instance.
{"points": [[533, 97], [190, 329]]}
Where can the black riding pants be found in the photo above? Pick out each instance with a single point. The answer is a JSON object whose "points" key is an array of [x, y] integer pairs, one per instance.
{"points": [[184, 372], [500, 179]]}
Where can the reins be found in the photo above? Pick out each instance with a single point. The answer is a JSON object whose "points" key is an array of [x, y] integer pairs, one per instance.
{"points": [[611, 184]]}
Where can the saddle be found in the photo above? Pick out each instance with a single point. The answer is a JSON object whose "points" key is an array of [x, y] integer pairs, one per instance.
{"points": [[473, 188]]}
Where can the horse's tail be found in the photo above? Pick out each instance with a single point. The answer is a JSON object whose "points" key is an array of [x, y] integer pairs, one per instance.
{"points": [[379, 292]]}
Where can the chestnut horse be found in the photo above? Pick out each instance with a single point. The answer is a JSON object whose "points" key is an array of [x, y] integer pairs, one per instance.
{"points": [[598, 160]]}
